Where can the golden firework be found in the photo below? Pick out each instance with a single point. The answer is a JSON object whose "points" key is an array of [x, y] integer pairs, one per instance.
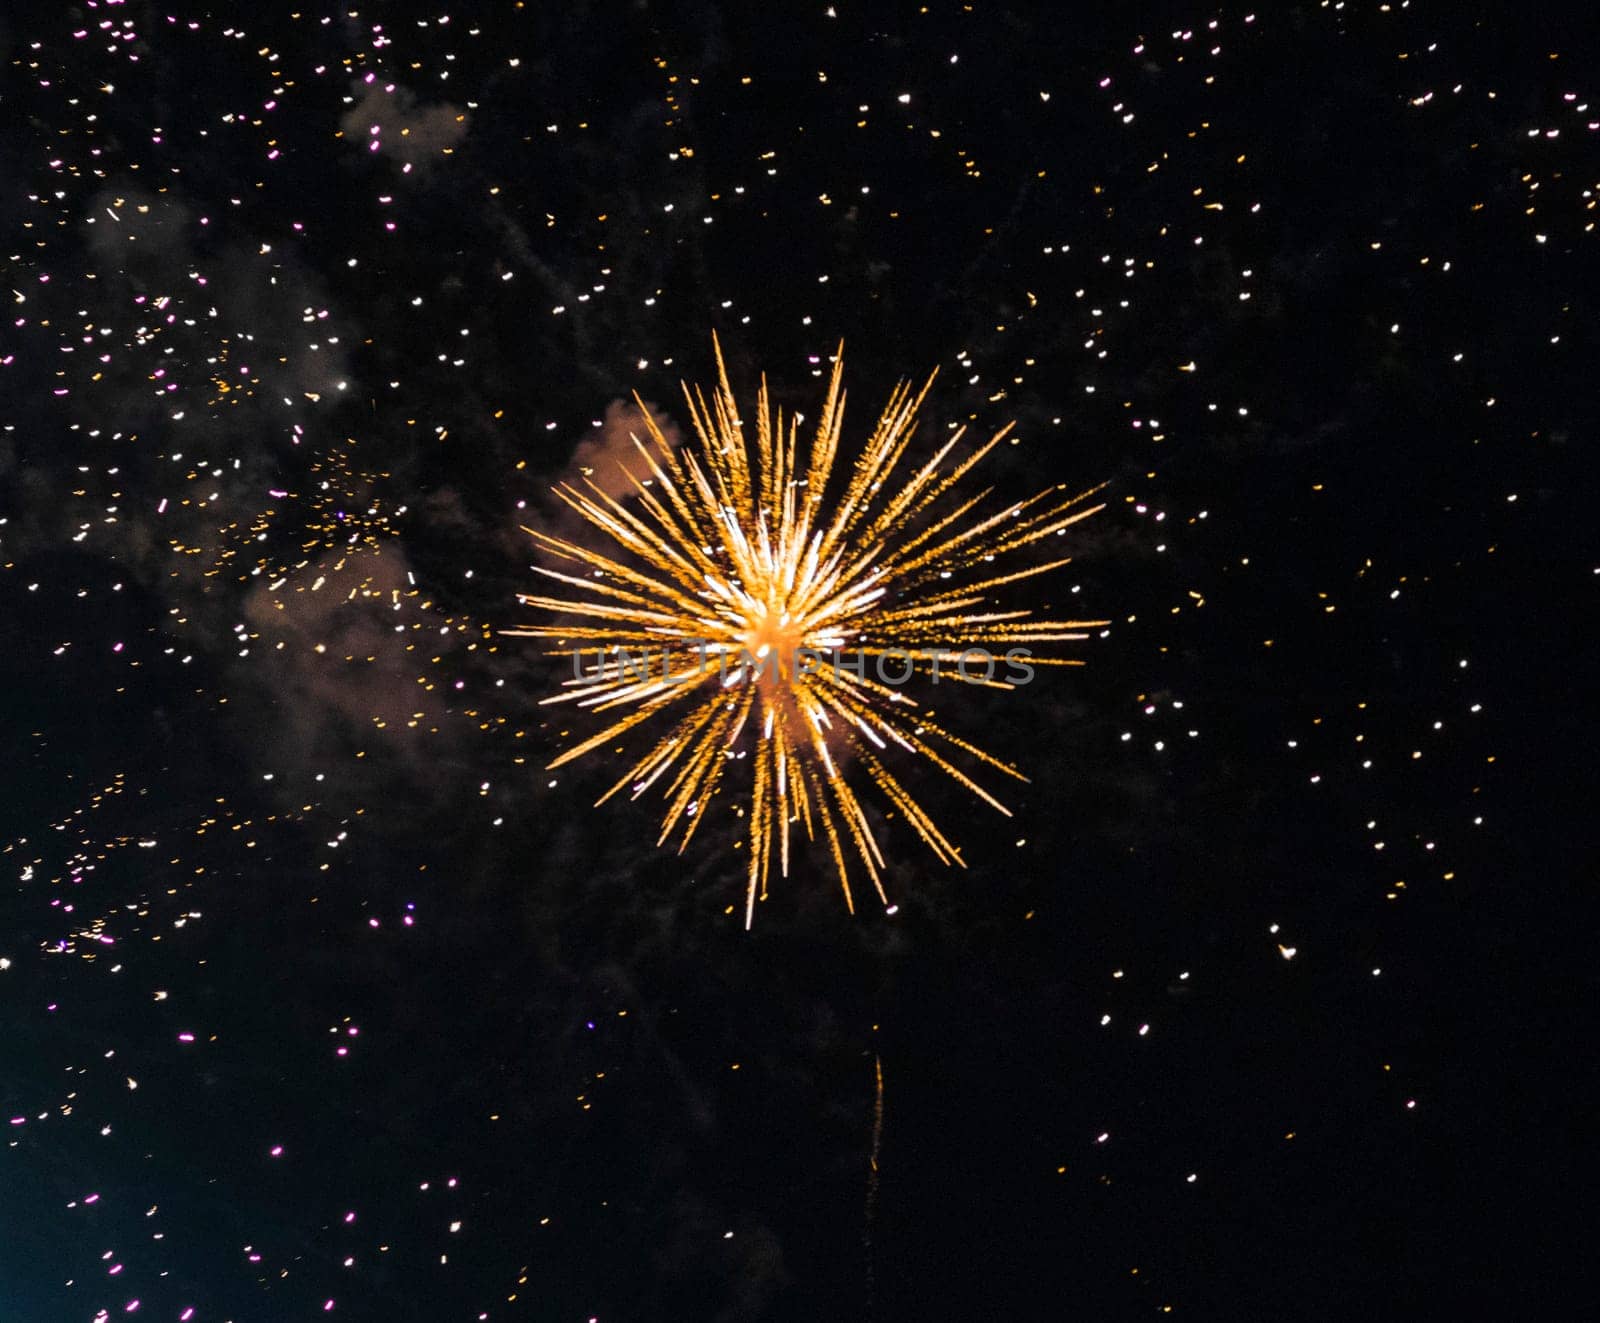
{"points": [[768, 602]]}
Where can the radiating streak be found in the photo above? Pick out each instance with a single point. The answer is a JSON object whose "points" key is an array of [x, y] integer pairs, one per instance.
{"points": [[733, 553]]}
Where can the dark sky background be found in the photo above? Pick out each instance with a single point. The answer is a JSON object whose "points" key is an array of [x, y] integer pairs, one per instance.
{"points": [[318, 994]]}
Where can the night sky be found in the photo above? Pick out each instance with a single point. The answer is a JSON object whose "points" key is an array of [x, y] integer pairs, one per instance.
{"points": [[320, 994]]}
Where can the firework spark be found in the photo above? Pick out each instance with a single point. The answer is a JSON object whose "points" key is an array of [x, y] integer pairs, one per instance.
{"points": [[767, 602]]}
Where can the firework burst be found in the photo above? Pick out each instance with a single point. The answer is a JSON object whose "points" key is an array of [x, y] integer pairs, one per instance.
{"points": [[763, 602]]}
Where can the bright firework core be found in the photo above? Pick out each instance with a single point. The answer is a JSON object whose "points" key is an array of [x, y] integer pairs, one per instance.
{"points": [[762, 554], [773, 629]]}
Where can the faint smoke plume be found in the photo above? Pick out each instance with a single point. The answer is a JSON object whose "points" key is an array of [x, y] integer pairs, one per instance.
{"points": [[390, 122], [608, 455], [331, 661]]}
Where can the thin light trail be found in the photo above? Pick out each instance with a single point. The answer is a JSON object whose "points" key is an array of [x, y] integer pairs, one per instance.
{"points": [[872, 1185]]}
